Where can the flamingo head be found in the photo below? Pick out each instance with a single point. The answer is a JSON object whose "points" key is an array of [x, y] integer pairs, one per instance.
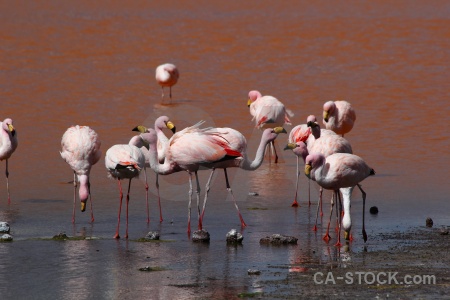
{"points": [[312, 161], [148, 135], [253, 96], [328, 108], [84, 190], [315, 127], [164, 122], [8, 126], [299, 149], [270, 134]]}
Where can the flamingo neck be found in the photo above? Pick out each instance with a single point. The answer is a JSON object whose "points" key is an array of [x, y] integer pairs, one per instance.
{"points": [[165, 168], [347, 197], [256, 163], [83, 192]]}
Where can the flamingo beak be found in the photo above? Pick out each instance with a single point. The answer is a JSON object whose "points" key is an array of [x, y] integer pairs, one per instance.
{"points": [[140, 128], [346, 235], [11, 129], [308, 170], [290, 146], [171, 126], [325, 116], [279, 130], [83, 206], [249, 102]]}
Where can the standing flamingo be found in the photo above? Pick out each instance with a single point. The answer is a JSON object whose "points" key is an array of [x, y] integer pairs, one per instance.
{"points": [[125, 162], [339, 170], [193, 148], [268, 112], [338, 116], [8, 144], [167, 76], [81, 150]]}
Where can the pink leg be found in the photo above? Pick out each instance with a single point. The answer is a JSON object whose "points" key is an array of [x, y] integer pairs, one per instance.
{"points": [[146, 196], [74, 195], [7, 182], [320, 201], [189, 205], [364, 211], [327, 234], [128, 201], [159, 198], [197, 191], [295, 203], [317, 215], [309, 192], [235, 203], [274, 151], [116, 236], [338, 208], [200, 225]]}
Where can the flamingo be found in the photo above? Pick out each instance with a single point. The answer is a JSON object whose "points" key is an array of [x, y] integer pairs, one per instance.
{"points": [[125, 162], [8, 144], [339, 170], [338, 116], [268, 112], [160, 123], [81, 150], [167, 76], [193, 148]]}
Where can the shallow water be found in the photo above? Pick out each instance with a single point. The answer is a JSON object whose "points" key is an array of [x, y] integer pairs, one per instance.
{"points": [[93, 64]]}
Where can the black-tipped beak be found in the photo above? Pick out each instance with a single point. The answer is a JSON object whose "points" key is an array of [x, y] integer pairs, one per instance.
{"points": [[135, 129], [174, 129]]}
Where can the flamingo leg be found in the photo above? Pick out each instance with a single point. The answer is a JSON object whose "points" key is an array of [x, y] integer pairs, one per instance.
{"points": [[327, 237], [364, 211], [309, 192], [189, 205], [320, 201], [317, 215], [295, 203], [74, 195], [162, 93], [274, 151], [159, 198], [235, 203], [338, 208], [128, 201], [116, 236], [197, 191], [7, 182], [146, 196], [90, 201], [207, 187], [170, 93]]}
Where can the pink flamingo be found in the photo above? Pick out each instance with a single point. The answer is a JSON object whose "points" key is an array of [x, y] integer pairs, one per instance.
{"points": [[81, 150], [338, 116], [8, 144], [339, 170], [268, 112], [193, 148], [125, 162], [167, 76]]}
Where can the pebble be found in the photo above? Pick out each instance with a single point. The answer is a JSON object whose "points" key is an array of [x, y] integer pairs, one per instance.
{"points": [[253, 272], [6, 238], [4, 227], [200, 236], [279, 239], [373, 210], [234, 237], [152, 235], [429, 222]]}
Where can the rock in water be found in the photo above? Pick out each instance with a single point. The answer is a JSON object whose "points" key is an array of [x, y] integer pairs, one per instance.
{"points": [[234, 237], [152, 235], [253, 272], [373, 210], [4, 227], [429, 222], [6, 238], [200, 236], [279, 239]]}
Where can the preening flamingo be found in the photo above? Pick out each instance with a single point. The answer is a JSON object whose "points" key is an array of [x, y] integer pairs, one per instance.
{"points": [[125, 162], [268, 112], [8, 144], [339, 170], [167, 76], [81, 150], [208, 148], [338, 116]]}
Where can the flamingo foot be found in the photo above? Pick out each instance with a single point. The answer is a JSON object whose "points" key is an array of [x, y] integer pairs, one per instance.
{"points": [[314, 228], [92, 220], [126, 236], [351, 238], [200, 224], [327, 237], [116, 236], [338, 244], [342, 214], [295, 204], [321, 213], [243, 223]]}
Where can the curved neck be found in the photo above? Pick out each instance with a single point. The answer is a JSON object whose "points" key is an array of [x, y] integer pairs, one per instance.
{"points": [[256, 163], [163, 169]]}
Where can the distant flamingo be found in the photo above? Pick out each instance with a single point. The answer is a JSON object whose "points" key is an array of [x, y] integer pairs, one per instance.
{"points": [[81, 150], [125, 162], [8, 144], [193, 148], [167, 76], [268, 112], [339, 170], [338, 116]]}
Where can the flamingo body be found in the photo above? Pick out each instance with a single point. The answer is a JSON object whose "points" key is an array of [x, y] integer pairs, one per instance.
{"points": [[167, 75], [338, 116], [8, 144]]}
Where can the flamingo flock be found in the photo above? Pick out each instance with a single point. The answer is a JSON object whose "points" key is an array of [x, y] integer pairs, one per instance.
{"points": [[327, 155]]}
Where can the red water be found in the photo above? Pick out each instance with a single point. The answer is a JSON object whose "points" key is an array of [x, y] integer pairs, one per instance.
{"points": [[93, 64]]}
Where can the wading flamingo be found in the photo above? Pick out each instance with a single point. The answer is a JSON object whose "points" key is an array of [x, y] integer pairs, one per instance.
{"points": [[338, 116], [167, 76], [194, 148], [81, 150], [339, 170], [8, 144], [268, 112], [125, 162]]}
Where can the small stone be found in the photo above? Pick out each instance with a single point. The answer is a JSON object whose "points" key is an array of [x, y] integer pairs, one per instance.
{"points": [[200, 236], [429, 222], [60, 236], [278, 239], [6, 238], [4, 227], [253, 194], [234, 237], [253, 272], [373, 210], [444, 231], [152, 235]]}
